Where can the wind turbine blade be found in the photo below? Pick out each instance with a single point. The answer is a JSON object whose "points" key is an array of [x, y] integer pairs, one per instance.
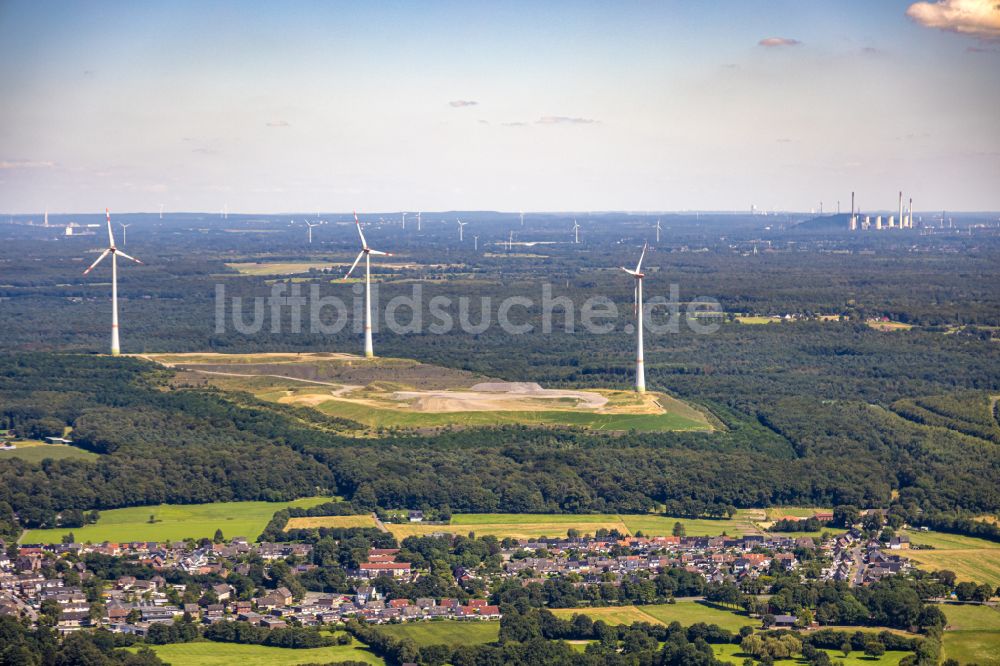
{"points": [[111, 238], [629, 271], [379, 252], [354, 265], [103, 254], [122, 254], [638, 266], [357, 222]]}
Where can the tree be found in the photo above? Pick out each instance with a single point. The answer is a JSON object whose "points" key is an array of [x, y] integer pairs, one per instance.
{"points": [[845, 515], [679, 530], [845, 647], [218, 538], [874, 648]]}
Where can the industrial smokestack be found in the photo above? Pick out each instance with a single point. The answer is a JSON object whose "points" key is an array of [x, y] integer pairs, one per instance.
{"points": [[909, 218], [901, 209]]}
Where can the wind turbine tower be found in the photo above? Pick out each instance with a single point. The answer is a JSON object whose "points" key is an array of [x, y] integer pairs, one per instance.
{"points": [[114, 252], [522, 218], [124, 237], [657, 231], [640, 370], [404, 221], [476, 241], [461, 226], [576, 232], [161, 211], [310, 226], [418, 220], [366, 252]]}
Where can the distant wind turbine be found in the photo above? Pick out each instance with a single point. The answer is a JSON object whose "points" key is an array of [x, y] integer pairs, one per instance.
{"points": [[124, 237], [418, 220], [476, 240], [404, 221], [461, 226], [310, 225], [114, 252], [522, 218], [366, 252], [161, 211], [510, 241], [640, 371], [657, 231], [576, 232]]}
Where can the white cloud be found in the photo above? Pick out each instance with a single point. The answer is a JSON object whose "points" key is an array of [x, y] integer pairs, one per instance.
{"points": [[25, 164], [278, 123], [459, 103], [773, 42], [564, 120], [978, 18]]}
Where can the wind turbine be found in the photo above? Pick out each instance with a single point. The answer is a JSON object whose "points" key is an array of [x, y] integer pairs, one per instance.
{"points": [[576, 232], [640, 371], [657, 231], [404, 221], [510, 241], [161, 211], [124, 236], [522, 218], [461, 226], [418, 220], [366, 252], [476, 240], [310, 225], [114, 252]]}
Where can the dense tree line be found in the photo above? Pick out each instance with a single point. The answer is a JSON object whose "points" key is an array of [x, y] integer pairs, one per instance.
{"points": [[163, 444], [23, 646]]}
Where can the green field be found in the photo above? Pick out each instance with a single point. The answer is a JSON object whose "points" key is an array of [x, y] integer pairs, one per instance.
{"points": [[970, 558], [33, 450], [175, 522], [446, 632], [732, 654], [532, 525], [972, 634], [206, 653], [685, 612]]}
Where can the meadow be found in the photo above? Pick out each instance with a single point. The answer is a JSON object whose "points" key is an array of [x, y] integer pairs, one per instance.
{"points": [[531, 525], [33, 450], [446, 632], [970, 558], [207, 653], [684, 611], [174, 522], [308, 522], [972, 634]]}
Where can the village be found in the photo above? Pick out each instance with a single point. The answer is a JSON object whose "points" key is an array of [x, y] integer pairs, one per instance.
{"points": [[54, 581]]}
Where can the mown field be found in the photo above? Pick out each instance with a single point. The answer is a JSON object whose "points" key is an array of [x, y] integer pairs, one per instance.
{"points": [[530, 525], [175, 522], [684, 611], [446, 632], [970, 558], [34, 450], [307, 522], [206, 653], [972, 634]]}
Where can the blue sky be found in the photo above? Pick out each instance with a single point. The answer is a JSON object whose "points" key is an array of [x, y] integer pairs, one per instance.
{"points": [[269, 107]]}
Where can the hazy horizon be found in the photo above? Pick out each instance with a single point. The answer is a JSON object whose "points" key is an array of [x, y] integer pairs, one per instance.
{"points": [[449, 106]]}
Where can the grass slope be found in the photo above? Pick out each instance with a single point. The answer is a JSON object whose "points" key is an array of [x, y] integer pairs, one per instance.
{"points": [[175, 522], [447, 632], [970, 558], [207, 653], [972, 634]]}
